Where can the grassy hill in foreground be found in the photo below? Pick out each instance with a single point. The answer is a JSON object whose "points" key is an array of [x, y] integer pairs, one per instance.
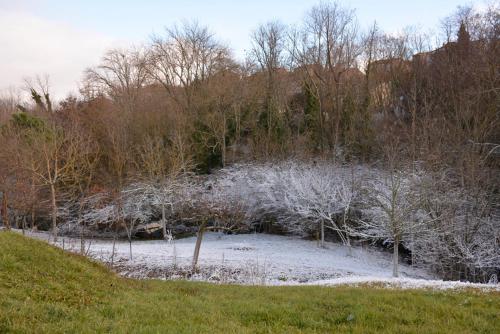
{"points": [[45, 290]]}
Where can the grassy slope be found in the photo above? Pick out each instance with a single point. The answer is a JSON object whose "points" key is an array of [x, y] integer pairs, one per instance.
{"points": [[44, 290]]}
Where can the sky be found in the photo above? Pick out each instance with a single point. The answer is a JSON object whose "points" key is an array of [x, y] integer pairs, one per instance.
{"points": [[62, 38]]}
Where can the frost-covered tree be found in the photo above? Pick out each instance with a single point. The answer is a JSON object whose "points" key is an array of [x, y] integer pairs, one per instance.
{"points": [[301, 196], [304, 195], [127, 209], [163, 177], [465, 242], [136, 208], [392, 211], [245, 188], [163, 195], [217, 203]]}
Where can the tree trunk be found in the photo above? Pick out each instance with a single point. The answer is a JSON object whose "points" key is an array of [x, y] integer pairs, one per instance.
{"points": [[33, 217], [5, 214], [197, 247], [130, 246], [54, 211], [32, 199], [163, 221], [322, 233], [223, 142], [337, 118], [321, 124], [269, 124], [82, 239], [113, 251], [395, 257], [130, 231], [174, 254], [347, 238]]}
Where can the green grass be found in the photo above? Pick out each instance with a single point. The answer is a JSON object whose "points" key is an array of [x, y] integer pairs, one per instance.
{"points": [[45, 290]]}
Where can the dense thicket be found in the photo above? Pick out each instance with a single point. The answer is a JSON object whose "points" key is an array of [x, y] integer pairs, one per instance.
{"points": [[324, 90]]}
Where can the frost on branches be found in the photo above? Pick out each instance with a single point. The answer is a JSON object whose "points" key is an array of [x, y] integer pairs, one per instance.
{"points": [[302, 197], [391, 211], [309, 195], [465, 244], [443, 227]]}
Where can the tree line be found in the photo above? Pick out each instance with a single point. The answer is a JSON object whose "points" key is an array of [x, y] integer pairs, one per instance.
{"points": [[324, 89]]}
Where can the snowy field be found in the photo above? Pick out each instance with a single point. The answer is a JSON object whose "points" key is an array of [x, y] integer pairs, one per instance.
{"points": [[258, 259]]}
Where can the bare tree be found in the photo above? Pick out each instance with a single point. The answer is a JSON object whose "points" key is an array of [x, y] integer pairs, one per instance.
{"points": [[324, 50], [121, 75], [7, 173], [392, 211], [50, 155], [125, 210], [214, 207], [268, 46], [185, 57], [320, 193], [163, 169], [136, 208], [219, 99], [82, 174], [465, 231]]}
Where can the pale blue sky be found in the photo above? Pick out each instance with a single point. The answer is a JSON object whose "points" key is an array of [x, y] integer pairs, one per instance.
{"points": [[231, 20], [61, 38]]}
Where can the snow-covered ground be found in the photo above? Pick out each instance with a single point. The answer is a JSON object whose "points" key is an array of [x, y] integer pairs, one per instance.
{"points": [[258, 259]]}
